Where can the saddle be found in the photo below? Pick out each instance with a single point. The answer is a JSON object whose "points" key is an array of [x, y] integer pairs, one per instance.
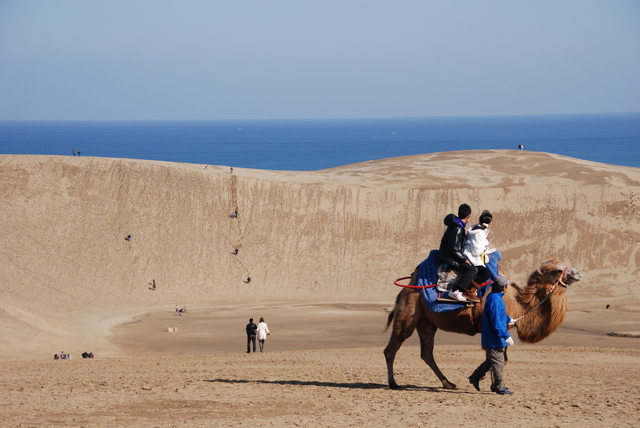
{"points": [[447, 278]]}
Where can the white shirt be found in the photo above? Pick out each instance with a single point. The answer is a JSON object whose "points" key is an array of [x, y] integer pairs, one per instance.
{"points": [[263, 331], [475, 244]]}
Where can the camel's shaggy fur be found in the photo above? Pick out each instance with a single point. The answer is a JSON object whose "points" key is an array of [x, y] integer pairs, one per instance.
{"points": [[537, 324]]}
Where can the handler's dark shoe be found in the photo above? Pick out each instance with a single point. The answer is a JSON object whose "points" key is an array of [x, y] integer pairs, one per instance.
{"points": [[475, 381], [505, 391]]}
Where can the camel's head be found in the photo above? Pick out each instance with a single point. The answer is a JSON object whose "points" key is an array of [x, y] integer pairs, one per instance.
{"points": [[553, 272], [570, 276], [544, 300]]}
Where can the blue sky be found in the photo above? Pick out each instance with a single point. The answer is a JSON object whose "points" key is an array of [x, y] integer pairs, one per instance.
{"points": [[135, 60]]}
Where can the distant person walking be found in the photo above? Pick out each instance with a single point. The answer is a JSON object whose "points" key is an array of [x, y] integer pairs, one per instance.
{"points": [[263, 332], [252, 329], [520, 146]]}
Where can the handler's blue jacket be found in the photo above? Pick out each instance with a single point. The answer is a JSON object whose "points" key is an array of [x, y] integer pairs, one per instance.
{"points": [[494, 322]]}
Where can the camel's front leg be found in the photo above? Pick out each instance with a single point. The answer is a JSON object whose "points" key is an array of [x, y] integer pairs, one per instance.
{"points": [[427, 334]]}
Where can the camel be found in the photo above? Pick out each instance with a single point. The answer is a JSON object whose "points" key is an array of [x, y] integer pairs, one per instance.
{"points": [[540, 308]]}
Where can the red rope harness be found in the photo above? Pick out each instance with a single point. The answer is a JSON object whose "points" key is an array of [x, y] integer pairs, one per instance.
{"points": [[411, 286]]}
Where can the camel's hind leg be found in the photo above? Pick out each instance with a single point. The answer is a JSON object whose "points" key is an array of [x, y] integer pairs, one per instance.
{"points": [[427, 334], [401, 332], [395, 342], [404, 318]]}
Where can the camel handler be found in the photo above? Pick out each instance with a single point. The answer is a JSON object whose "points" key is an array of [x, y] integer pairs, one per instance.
{"points": [[452, 253], [495, 338]]}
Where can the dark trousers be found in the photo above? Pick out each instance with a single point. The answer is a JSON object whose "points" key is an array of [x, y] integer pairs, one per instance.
{"points": [[495, 360], [483, 275], [251, 338], [467, 273]]}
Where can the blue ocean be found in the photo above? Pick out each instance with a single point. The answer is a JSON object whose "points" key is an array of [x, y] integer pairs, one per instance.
{"points": [[308, 145]]}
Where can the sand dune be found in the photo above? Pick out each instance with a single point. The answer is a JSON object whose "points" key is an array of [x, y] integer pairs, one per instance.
{"points": [[338, 235], [322, 250]]}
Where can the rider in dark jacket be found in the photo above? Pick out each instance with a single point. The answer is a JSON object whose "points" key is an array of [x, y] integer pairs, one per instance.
{"points": [[452, 243], [451, 250]]}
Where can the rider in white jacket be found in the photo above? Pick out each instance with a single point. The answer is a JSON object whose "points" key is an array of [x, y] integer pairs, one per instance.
{"points": [[477, 243], [476, 246]]}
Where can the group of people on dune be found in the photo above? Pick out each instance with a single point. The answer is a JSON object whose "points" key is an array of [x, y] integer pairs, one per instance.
{"points": [[468, 253]]}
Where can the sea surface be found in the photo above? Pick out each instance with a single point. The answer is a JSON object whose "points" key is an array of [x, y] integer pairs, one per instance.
{"points": [[308, 145]]}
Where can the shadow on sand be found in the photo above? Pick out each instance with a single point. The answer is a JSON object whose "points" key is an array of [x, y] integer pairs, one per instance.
{"points": [[352, 385]]}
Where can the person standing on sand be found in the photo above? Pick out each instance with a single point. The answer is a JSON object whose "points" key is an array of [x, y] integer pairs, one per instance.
{"points": [[495, 338], [263, 332], [251, 328]]}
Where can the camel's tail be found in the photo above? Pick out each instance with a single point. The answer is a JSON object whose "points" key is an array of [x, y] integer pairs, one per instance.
{"points": [[391, 314]]}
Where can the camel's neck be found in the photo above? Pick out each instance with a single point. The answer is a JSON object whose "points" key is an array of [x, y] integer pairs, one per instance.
{"points": [[540, 314]]}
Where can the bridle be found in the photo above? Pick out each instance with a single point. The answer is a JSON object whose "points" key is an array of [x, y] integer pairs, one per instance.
{"points": [[560, 281]]}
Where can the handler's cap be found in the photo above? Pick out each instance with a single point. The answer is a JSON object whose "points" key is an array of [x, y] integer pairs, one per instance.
{"points": [[501, 282]]}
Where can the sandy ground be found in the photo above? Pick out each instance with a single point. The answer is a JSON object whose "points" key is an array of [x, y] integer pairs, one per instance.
{"points": [[555, 386], [205, 331], [323, 367], [322, 250]]}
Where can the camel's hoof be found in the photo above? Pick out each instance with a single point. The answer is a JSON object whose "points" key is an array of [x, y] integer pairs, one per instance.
{"points": [[394, 386], [448, 385]]}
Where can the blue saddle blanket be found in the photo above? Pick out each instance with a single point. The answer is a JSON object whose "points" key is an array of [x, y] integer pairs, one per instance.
{"points": [[428, 275]]}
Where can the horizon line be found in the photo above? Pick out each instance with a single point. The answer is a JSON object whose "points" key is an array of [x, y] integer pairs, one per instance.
{"points": [[329, 118]]}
